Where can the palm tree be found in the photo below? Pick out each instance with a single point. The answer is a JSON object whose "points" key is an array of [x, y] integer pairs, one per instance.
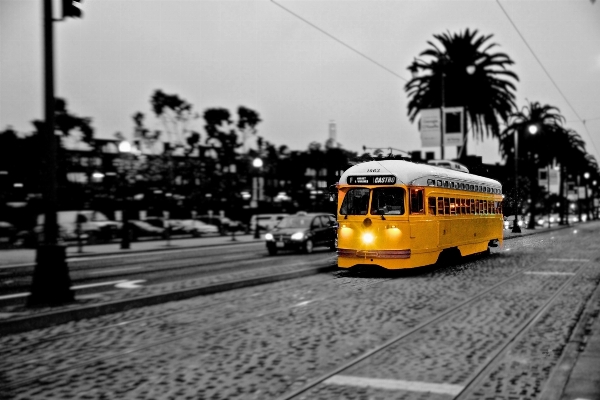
{"points": [[572, 156], [536, 127], [463, 73]]}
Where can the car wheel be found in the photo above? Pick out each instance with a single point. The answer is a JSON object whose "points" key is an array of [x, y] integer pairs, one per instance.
{"points": [[272, 251], [308, 246]]}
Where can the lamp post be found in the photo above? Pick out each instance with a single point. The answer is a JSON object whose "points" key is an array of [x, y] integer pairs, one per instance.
{"points": [[532, 129], [586, 176], [125, 149], [50, 283], [257, 163], [594, 208], [443, 61]]}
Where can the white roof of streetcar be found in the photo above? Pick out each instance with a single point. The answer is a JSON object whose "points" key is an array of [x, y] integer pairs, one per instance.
{"points": [[409, 173]]}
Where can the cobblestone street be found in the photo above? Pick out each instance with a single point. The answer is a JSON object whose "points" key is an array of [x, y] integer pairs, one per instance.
{"points": [[424, 334]]}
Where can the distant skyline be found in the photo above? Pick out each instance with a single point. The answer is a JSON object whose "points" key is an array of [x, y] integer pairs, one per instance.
{"points": [[299, 64]]}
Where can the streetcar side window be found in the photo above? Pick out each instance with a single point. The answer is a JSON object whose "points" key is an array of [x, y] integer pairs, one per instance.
{"points": [[431, 205], [417, 201], [388, 201], [446, 206], [440, 205], [356, 202]]}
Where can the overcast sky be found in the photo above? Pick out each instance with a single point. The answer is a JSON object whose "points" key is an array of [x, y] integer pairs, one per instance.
{"points": [[260, 55]]}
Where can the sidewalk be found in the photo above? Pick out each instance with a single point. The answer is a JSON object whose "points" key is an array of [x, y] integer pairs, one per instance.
{"points": [[27, 256]]}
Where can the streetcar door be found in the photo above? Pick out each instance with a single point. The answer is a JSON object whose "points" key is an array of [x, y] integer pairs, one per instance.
{"points": [[422, 235]]}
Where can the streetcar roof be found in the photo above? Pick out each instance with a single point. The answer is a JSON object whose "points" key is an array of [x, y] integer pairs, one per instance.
{"points": [[409, 173]]}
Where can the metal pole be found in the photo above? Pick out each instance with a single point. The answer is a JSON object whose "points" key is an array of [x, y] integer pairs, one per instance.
{"points": [[50, 283], [256, 233], [442, 116], [516, 228], [549, 208]]}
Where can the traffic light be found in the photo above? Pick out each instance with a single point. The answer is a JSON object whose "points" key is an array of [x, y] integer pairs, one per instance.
{"points": [[72, 8]]}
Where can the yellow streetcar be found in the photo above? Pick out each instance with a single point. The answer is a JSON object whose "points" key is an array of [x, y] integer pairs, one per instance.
{"points": [[399, 214]]}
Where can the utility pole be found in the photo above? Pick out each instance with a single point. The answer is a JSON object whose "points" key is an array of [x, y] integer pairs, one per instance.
{"points": [[51, 284]]}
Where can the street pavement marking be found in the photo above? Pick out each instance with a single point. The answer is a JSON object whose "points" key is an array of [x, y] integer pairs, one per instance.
{"points": [[123, 284], [130, 284], [13, 296], [394, 384], [548, 273], [569, 259], [108, 271]]}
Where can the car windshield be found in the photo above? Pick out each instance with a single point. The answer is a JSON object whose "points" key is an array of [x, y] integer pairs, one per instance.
{"points": [[294, 222]]}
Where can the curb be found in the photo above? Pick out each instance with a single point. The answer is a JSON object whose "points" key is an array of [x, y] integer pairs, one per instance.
{"points": [[44, 320], [173, 247], [558, 379], [536, 232]]}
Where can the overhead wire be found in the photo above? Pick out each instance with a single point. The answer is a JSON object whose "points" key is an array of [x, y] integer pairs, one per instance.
{"points": [[339, 41], [579, 119], [583, 121]]}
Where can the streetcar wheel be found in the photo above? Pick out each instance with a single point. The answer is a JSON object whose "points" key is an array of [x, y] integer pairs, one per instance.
{"points": [[308, 246]]}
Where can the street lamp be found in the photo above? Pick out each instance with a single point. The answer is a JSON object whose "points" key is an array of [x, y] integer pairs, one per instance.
{"points": [[257, 163], [50, 283], [125, 149], [532, 129], [586, 176], [414, 70], [595, 209], [443, 61]]}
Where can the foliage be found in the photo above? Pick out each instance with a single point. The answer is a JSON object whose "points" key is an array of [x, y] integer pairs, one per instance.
{"points": [[487, 93]]}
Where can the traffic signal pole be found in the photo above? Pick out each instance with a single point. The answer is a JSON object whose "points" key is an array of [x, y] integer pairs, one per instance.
{"points": [[51, 284]]}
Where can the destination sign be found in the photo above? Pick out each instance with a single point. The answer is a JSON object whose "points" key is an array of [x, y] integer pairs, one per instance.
{"points": [[371, 180]]}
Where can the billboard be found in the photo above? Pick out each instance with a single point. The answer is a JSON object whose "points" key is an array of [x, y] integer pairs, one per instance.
{"points": [[430, 127], [453, 126]]}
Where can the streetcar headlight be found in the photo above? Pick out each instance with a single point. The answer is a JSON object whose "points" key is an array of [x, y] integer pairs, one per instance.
{"points": [[298, 236], [269, 236], [367, 238]]}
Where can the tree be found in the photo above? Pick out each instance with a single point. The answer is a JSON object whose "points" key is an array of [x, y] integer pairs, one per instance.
{"points": [[176, 116], [536, 126], [224, 137], [464, 73]]}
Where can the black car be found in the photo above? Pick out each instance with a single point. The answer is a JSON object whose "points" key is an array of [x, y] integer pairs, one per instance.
{"points": [[303, 232]]}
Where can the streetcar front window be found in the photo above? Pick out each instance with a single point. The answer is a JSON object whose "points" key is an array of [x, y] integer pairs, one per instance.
{"points": [[356, 202], [388, 201]]}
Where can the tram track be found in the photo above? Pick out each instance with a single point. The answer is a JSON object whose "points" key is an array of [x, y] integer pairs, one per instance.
{"points": [[313, 383], [221, 328], [235, 324]]}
